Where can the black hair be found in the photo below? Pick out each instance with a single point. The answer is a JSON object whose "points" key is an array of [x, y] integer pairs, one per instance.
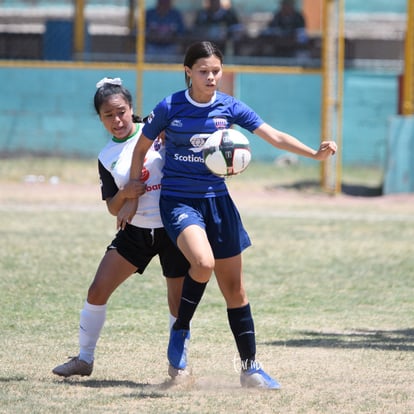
{"points": [[106, 91], [200, 50]]}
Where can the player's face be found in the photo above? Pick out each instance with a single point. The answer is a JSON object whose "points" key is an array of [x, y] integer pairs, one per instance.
{"points": [[205, 76], [116, 116]]}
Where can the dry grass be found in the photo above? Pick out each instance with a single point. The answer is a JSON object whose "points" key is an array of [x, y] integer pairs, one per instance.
{"points": [[329, 280]]}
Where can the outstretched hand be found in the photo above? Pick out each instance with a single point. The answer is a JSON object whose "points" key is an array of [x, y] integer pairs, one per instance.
{"points": [[126, 213], [326, 149]]}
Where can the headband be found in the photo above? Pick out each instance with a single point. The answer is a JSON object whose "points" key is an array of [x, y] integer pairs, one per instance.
{"points": [[110, 81]]}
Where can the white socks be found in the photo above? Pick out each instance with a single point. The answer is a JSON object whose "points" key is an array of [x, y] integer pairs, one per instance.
{"points": [[172, 321], [92, 319]]}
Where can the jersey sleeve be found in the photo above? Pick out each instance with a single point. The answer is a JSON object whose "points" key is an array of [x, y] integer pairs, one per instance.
{"points": [[157, 121], [246, 117], [108, 186]]}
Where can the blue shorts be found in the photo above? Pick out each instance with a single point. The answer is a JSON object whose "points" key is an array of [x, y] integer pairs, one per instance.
{"points": [[218, 216]]}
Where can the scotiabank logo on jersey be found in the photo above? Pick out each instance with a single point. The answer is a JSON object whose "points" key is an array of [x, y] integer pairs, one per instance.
{"points": [[197, 141], [145, 175], [154, 187]]}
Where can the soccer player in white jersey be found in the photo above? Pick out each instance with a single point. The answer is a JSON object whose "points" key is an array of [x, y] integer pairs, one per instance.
{"points": [[196, 208], [142, 238]]}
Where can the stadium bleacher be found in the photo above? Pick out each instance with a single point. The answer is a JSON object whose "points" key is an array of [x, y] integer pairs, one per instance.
{"points": [[374, 29]]}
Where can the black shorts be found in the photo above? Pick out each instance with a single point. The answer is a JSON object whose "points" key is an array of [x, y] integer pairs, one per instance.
{"points": [[139, 246]]}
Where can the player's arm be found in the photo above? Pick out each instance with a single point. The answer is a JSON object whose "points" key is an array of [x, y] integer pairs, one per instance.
{"points": [[128, 210], [133, 189], [289, 143], [138, 156], [115, 197]]}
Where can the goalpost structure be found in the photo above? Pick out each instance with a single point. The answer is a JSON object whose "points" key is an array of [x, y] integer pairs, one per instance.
{"points": [[407, 103], [333, 56]]}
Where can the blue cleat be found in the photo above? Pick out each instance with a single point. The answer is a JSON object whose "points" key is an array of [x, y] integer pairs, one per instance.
{"points": [[257, 378], [177, 348]]}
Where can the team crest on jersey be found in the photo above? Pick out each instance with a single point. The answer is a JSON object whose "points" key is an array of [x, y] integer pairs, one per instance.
{"points": [[220, 123], [157, 144]]}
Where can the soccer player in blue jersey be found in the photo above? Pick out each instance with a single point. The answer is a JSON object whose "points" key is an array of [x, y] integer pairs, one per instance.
{"points": [[195, 205]]}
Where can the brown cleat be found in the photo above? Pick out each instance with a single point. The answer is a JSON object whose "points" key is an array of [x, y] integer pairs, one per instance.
{"points": [[74, 367]]}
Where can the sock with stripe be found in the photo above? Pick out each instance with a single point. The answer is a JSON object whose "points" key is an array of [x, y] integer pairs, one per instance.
{"points": [[192, 293], [242, 326]]}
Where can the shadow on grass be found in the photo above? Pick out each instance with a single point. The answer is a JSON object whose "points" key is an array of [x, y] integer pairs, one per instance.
{"points": [[142, 389], [347, 189], [12, 379], [107, 383], [398, 340]]}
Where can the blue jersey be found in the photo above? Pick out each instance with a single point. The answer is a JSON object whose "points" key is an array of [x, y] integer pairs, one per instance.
{"points": [[187, 125]]}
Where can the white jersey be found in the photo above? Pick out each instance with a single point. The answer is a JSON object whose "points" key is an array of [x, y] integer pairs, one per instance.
{"points": [[114, 166]]}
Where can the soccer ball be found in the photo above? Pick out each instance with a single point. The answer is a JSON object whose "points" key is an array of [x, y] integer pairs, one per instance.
{"points": [[227, 152]]}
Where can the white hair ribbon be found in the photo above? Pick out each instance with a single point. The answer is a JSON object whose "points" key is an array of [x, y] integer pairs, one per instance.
{"points": [[110, 81]]}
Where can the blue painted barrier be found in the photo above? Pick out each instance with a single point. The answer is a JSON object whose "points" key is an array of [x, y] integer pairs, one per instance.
{"points": [[399, 171], [50, 110]]}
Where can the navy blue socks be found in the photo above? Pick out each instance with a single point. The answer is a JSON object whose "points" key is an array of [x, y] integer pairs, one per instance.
{"points": [[242, 326], [192, 293]]}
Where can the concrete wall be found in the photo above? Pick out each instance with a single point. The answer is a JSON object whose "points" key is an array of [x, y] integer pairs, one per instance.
{"points": [[399, 177], [51, 110]]}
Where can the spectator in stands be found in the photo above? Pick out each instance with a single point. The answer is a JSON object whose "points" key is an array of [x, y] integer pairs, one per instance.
{"points": [[217, 22], [164, 28], [288, 28]]}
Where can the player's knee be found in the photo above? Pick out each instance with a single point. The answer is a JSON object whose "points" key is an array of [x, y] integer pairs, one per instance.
{"points": [[202, 268]]}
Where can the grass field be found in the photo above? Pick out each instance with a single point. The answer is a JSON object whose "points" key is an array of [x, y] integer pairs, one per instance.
{"points": [[330, 281]]}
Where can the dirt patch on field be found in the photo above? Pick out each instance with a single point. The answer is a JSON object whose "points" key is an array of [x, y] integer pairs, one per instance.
{"points": [[271, 200], [46, 194]]}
